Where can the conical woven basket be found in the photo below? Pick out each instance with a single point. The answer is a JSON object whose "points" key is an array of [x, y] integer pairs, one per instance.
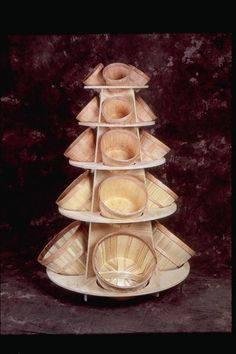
{"points": [[78, 195], [151, 147], [119, 147], [123, 261], [90, 112], [138, 77], [66, 252], [116, 74], [95, 76], [83, 147], [144, 112], [117, 109], [171, 251], [158, 192], [122, 196]]}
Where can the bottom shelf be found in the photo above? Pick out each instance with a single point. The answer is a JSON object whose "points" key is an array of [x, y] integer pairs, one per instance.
{"points": [[160, 281]]}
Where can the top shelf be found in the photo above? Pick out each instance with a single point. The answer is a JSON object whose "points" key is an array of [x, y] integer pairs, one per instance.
{"points": [[100, 87]]}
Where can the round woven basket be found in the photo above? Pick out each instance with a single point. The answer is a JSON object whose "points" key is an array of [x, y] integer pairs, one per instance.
{"points": [[122, 196], [117, 110], [158, 192], [119, 147], [78, 195], [66, 252], [95, 76], [90, 112], [123, 261], [116, 74], [83, 147], [144, 112], [151, 147], [171, 251]]}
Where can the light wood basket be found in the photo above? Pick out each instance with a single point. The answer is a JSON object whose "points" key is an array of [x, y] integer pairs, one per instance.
{"points": [[158, 193], [138, 77], [78, 195], [90, 112], [83, 147], [95, 76], [119, 147], [171, 251], [151, 147], [123, 261], [144, 112], [122, 196], [116, 74], [66, 252], [117, 109]]}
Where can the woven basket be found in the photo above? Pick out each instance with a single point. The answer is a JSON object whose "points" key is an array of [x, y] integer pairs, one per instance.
{"points": [[151, 147], [171, 251], [119, 147], [123, 261], [66, 252], [144, 112], [83, 147], [95, 76], [90, 112], [116, 74], [78, 195], [122, 196], [158, 193], [137, 77], [117, 109]]}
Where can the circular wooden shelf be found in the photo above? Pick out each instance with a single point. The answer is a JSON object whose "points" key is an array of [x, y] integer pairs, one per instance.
{"points": [[106, 87], [160, 281], [96, 217], [116, 125], [101, 166]]}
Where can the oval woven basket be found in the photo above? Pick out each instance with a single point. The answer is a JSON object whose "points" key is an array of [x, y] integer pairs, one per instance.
{"points": [[95, 76], [66, 252], [158, 192], [123, 261], [119, 147], [171, 251], [117, 110], [144, 112], [122, 196], [151, 147], [83, 147], [138, 77], [90, 112], [78, 195], [116, 74]]}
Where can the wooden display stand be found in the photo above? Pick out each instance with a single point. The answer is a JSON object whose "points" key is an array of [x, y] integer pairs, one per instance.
{"points": [[99, 225]]}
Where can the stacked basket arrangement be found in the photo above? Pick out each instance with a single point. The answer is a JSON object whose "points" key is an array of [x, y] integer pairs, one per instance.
{"points": [[116, 247]]}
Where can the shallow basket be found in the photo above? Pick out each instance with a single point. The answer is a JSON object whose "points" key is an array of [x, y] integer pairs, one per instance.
{"points": [[122, 196], [90, 112], [117, 109], [171, 251], [123, 261], [116, 74], [151, 147], [144, 112], [66, 252], [158, 193], [95, 76], [83, 147], [119, 147], [78, 195], [138, 77]]}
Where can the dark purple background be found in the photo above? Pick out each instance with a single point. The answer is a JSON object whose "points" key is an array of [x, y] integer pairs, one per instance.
{"points": [[41, 94]]}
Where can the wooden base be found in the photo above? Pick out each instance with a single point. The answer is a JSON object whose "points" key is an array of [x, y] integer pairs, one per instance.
{"points": [[160, 281]]}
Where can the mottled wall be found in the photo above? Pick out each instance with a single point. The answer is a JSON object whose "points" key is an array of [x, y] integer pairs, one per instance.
{"points": [[190, 90]]}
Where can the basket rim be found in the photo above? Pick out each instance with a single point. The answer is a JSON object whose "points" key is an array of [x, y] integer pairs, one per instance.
{"points": [[117, 233], [92, 71], [79, 140], [156, 181], [154, 140], [56, 238], [146, 108], [129, 177], [107, 67], [174, 238], [71, 189], [124, 132], [92, 101]]}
